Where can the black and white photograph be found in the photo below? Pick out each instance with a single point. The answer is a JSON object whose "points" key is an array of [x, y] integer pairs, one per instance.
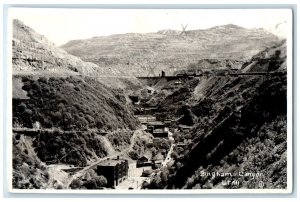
{"points": [[151, 100]]}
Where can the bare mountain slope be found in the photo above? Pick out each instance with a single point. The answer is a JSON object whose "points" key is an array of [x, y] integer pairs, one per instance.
{"points": [[32, 51], [271, 59], [169, 50]]}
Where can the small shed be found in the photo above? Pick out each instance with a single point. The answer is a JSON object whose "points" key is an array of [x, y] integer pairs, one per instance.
{"points": [[135, 99], [150, 90], [184, 128], [146, 157], [156, 125]]}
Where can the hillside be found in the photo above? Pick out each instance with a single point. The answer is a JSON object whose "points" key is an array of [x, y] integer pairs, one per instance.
{"points": [[238, 127], [71, 103], [56, 96], [32, 51], [271, 59], [169, 50]]}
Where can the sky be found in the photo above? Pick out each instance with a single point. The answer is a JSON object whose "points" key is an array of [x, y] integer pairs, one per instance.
{"points": [[61, 25]]}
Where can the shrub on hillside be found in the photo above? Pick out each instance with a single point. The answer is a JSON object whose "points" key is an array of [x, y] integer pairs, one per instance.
{"points": [[70, 148], [90, 181], [71, 103]]}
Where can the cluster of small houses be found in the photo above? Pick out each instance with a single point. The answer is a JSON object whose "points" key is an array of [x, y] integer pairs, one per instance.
{"points": [[159, 130], [148, 160], [145, 112], [116, 170]]}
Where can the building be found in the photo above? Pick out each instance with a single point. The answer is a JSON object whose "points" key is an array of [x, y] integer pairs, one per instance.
{"points": [[135, 99], [160, 133], [207, 72], [144, 160], [222, 72], [150, 90], [167, 122], [157, 161], [155, 125], [146, 119], [177, 83], [184, 128], [182, 144], [114, 170], [146, 157], [157, 129]]}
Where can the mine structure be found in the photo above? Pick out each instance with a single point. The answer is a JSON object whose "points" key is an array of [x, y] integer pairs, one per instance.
{"points": [[207, 72]]}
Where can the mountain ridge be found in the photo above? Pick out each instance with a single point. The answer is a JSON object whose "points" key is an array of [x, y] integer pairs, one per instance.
{"points": [[144, 54]]}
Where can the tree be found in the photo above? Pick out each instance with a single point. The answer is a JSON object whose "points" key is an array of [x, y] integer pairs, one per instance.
{"points": [[76, 184], [164, 177], [22, 107], [165, 145], [101, 181], [153, 151], [90, 184], [28, 112], [145, 185], [174, 155]]}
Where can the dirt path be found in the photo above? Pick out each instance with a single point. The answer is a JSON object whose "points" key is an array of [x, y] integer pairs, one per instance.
{"points": [[107, 145], [28, 147], [134, 136], [56, 175], [94, 164], [85, 169], [134, 179], [168, 157]]}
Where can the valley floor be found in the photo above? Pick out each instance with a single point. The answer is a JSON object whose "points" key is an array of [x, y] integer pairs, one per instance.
{"points": [[62, 175]]}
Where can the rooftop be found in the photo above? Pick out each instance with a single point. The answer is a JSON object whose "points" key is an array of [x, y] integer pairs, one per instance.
{"points": [[111, 162], [185, 126], [156, 123], [159, 131], [148, 155]]}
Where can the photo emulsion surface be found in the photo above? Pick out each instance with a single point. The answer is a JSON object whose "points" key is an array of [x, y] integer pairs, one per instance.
{"points": [[147, 100]]}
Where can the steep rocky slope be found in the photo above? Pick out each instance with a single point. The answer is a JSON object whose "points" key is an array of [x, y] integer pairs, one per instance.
{"points": [[28, 170], [239, 134], [32, 51], [271, 59], [137, 54]]}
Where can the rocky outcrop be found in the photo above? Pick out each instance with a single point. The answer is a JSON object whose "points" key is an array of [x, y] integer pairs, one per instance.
{"points": [[271, 59], [32, 51]]}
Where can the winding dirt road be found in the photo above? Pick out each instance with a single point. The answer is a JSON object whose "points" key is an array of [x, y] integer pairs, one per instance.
{"points": [[94, 164]]}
